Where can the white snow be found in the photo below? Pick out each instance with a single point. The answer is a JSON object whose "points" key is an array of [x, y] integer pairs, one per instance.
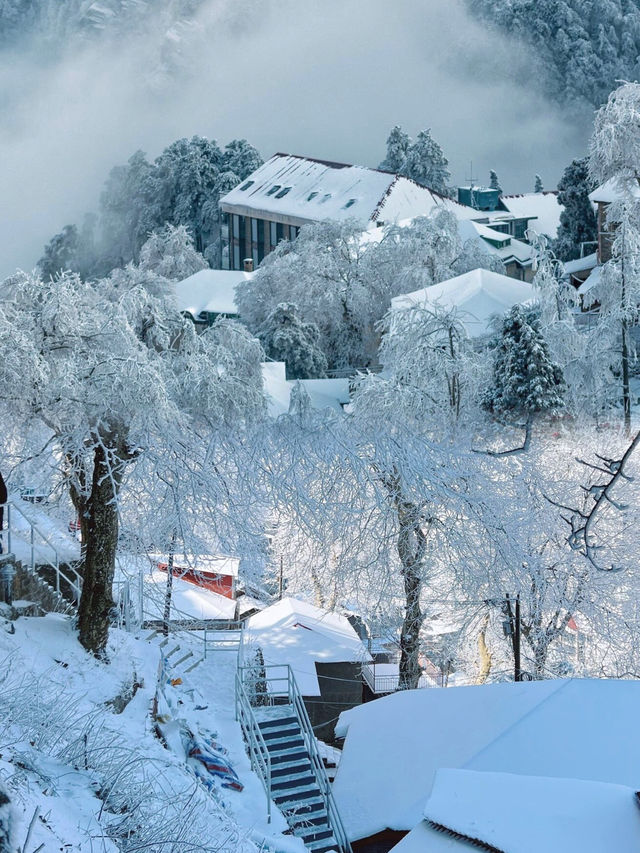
{"points": [[612, 191], [477, 297], [542, 208], [580, 264], [210, 291], [55, 691], [188, 601], [299, 634], [592, 281], [323, 393], [320, 190], [528, 814], [580, 728]]}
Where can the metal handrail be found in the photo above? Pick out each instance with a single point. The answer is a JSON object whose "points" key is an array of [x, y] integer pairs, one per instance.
{"points": [[291, 691], [76, 585], [258, 753]]}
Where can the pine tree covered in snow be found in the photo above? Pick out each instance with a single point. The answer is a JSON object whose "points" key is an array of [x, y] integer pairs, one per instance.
{"points": [[398, 143], [426, 164], [585, 47], [525, 379], [538, 186], [577, 220], [494, 182], [285, 337]]}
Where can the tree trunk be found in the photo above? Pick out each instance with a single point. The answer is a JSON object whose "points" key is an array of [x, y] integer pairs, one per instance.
{"points": [[96, 601], [169, 587], [485, 655], [411, 547]]}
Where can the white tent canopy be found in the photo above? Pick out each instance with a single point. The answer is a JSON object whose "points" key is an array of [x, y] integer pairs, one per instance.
{"points": [[477, 297]]}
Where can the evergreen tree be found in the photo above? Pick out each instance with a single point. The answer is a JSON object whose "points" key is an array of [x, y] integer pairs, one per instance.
{"points": [[61, 253], [285, 337], [427, 165], [241, 158], [494, 183], [577, 220], [538, 188], [398, 143], [525, 380]]}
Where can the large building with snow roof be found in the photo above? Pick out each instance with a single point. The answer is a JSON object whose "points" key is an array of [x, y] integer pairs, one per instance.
{"points": [[289, 191]]}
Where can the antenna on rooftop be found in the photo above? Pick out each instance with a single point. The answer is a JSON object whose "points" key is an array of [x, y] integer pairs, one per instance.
{"points": [[471, 179]]}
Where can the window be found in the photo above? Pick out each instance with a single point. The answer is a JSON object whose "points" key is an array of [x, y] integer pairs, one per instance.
{"points": [[311, 196], [350, 203], [246, 185], [274, 189], [283, 192], [273, 234], [325, 198]]}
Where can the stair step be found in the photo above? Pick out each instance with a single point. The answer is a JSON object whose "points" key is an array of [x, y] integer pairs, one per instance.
{"points": [[291, 798], [322, 846], [314, 818], [277, 721], [294, 782], [276, 733], [291, 767], [308, 810], [278, 745], [325, 835], [286, 755]]}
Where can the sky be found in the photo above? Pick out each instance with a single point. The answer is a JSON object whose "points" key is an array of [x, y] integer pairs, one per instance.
{"points": [[326, 79]]}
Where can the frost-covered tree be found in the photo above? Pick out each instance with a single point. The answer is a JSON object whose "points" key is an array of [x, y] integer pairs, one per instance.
{"points": [[538, 186], [343, 281], [60, 253], [426, 164], [615, 147], [526, 381], [241, 158], [115, 374], [494, 182], [285, 337], [170, 254], [583, 48], [398, 143], [578, 228], [430, 372]]}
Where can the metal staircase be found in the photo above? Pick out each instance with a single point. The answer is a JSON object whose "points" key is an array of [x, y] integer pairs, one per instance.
{"points": [[284, 753], [39, 556]]}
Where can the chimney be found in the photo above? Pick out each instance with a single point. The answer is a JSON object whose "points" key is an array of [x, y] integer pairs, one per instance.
{"points": [[248, 264]]}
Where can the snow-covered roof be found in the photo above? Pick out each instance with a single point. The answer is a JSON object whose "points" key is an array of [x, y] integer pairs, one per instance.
{"points": [[303, 189], [581, 264], [527, 814], [507, 248], [188, 601], [323, 393], [210, 291], [542, 208], [585, 729], [613, 190], [590, 282], [299, 634], [477, 297]]}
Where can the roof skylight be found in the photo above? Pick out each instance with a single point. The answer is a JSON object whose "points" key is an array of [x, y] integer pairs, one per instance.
{"points": [[283, 192], [312, 195], [350, 203], [274, 189], [246, 185]]}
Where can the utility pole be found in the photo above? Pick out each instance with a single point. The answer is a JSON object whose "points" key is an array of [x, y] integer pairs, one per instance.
{"points": [[280, 583], [513, 630]]}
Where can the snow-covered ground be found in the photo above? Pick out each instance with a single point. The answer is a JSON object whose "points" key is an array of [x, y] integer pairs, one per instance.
{"points": [[95, 773]]}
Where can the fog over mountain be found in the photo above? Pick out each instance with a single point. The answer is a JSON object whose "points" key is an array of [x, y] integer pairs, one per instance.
{"points": [[83, 85]]}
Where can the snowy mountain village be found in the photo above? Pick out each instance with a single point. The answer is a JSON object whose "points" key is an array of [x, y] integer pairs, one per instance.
{"points": [[319, 494]]}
